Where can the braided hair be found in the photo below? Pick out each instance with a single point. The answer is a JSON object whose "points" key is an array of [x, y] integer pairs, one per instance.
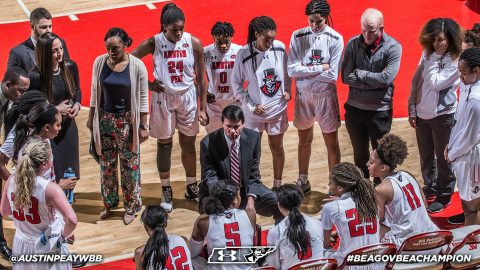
{"points": [[321, 7], [471, 57], [156, 249], [222, 29], [22, 106], [392, 150], [170, 15], [259, 25], [223, 195], [473, 36], [290, 197], [350, 177]]}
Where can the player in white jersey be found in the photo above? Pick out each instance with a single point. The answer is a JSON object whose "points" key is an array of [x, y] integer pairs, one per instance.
{"points": [[353, 213], [263, 63], [33, 202], [401, 202], [297, 237], [219, 62], [162, 250], [223, 225], [463, 149], [178, 58], [314, 61]]}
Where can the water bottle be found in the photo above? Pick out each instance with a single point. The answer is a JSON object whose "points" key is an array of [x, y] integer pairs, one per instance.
{"points": [[69, 173]]}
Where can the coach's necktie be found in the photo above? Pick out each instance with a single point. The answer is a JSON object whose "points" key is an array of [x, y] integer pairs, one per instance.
{"points": [[234, 163]]}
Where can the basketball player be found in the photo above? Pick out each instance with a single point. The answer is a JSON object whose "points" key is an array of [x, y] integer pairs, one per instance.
{"points": [[353, 213], [401, 202], [263, 63], [223, 224], [297, 237], [219, 62], [33, 202], [162, 250], [177, 57], [314, 61]]}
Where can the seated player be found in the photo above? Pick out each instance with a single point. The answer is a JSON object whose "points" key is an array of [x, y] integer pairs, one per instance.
{"points": [[297, 237], [223, 224], [162, 250], [354, 212], [401, 202]]}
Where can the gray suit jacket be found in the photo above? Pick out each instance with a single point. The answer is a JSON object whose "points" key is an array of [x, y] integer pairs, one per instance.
{"points": [[215, 159], [23, 55]]}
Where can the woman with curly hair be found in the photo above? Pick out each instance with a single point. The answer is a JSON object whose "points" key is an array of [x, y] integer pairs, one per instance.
{"points": [[432, 104], [401, 203], [472, 37]]}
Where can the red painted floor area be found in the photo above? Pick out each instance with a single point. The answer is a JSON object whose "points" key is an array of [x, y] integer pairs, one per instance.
{"points": [[403, 20]]}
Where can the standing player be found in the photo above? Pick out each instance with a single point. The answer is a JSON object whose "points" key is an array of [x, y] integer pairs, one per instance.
{"points": [[219, 62], [33, 202], [463, 149], [297, 237], [314, 61], [263, 63], [162, 250], [354, 213], [177, 58], [223, 224], [401, 203]]}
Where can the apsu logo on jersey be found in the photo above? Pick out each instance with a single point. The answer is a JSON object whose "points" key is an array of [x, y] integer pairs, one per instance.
{"points": [[316, 58], [271, 85]]}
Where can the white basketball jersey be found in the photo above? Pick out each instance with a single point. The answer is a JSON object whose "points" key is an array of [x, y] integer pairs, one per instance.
{"points": [[32, 221], [219, 70], [174, 63], [285, 254], [352, 231], [179, 255], [233, 229], [407, 213]]}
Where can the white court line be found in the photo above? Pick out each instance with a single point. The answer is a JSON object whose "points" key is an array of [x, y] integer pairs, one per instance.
{"points": [[81, 11], [24, 8], [73, 17], [150, 6]]}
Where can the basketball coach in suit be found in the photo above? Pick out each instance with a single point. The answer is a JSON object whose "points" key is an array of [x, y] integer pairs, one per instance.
{"points": [[233, 152]]}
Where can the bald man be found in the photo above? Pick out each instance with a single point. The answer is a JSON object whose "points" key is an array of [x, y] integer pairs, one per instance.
{"points": [[369, 67]]}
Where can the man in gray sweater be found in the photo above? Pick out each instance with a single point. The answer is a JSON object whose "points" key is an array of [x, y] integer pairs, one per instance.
{"points": [[371, 63]]}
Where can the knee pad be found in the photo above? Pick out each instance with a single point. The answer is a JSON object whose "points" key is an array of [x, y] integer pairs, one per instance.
{"points": [[164, 156]]}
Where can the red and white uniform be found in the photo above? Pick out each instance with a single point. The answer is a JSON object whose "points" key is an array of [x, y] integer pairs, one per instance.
{"points": [[316, 96], [176, 107], [232, 229], [178, 256], [31, 223], [406, 214], [464, 144], [266, 86], [285, 254], [342, 213], [219, 71]]}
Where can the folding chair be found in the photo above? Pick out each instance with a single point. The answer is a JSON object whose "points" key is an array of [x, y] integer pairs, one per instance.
{"points": [[377, 249], [433, 243], [317, 264], [265, 268], [467, 242]]}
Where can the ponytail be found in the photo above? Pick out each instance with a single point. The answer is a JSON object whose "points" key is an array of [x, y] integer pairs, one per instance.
{"points": [[290, 197], [223, 195], [156, 249], [21, 133], [37, 152], [213, 206]]}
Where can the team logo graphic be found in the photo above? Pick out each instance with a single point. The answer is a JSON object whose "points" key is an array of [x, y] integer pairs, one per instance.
{"points": [[271, 85], [236, 255], [316, 58], [233, 56]]}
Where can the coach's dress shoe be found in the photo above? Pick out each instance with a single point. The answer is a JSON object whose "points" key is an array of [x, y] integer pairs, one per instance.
{"points": [[106, 212], [78, 263], [5, 251]]}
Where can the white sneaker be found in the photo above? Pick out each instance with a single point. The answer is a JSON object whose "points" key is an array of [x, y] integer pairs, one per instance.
{"points": [[168, 206], [167, 200]]}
